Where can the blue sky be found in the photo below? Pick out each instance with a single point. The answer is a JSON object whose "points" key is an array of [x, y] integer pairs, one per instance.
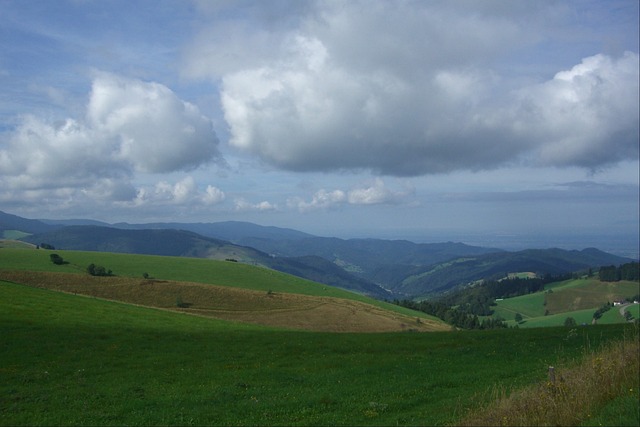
{"points": [[460, 120]]}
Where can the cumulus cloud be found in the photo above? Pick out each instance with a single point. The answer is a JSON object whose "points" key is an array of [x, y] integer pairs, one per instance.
{"points": [[130, 126], [242, 205], [585, 116], [374, 194], [409, 89], [184, 192], [154, 130]]}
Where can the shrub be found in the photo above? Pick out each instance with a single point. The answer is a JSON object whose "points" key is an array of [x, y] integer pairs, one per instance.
{"points": [[98, 270], [180, 303], [56, 259]]}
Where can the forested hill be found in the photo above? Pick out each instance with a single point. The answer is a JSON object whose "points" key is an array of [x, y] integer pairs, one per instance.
{"points": [[445, 276]]}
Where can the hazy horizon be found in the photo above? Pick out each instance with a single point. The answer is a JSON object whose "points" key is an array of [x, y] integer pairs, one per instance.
{"points": [[621, 245]]}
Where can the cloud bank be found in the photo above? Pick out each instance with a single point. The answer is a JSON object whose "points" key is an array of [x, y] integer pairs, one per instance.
{"points": [[413, 88], [130, 127]]}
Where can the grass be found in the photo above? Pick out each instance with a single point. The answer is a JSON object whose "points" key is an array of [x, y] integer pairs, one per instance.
{"points": [[67, 359], [634, 310], [581, 294], [577, 298], [287, 310], [222, 273], [603, 389], [12, 234], [531, 305], [581, 317], [9, 242]]}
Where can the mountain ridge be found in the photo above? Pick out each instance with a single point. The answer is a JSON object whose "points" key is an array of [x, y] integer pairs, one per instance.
{"points": [[377, 267]]}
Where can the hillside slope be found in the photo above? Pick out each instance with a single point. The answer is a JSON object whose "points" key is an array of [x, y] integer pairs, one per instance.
{"points": [[169, 242], [444, 276], [284, 310], [14, 222]]}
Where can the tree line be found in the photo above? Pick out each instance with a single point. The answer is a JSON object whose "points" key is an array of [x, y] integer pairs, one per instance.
{"points": [[629, 271], [461, 308], [480, 300], [453, 316]]}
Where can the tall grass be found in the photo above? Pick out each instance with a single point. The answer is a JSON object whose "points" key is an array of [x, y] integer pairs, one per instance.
{"points": [[608, 377]]}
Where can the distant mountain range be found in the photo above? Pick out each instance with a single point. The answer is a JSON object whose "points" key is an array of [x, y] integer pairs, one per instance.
{"points": [[380, 268]]}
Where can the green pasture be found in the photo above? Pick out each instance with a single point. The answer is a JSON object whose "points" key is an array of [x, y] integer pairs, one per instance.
{"points": [[611, 316], [585, 293], [589, 292], [9, 242], [580, 316], [634, 310], [12, 234], [531, 305], [72, 360], [199, 270]]}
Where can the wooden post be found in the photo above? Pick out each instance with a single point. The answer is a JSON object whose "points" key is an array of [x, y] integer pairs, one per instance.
{"points": [[552, 375]]}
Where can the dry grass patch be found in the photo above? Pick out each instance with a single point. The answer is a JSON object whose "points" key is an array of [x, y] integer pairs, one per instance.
{"points": [[571, 396], [294, 311]]}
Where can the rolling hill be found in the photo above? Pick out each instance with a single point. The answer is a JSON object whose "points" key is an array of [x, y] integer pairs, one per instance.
{"points": [[9, 222], [218, 289], [170, 242], [381, 268], [445, 276]]}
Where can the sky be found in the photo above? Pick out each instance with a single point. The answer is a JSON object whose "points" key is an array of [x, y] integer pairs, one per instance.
{"points": [[505, 123]]}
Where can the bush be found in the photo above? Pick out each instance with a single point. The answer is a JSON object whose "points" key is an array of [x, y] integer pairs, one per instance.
{"points": [[180, 303], [98, 270], [56, 259], [570, 322]]}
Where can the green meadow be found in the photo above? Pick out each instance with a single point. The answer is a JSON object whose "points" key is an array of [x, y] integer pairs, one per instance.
{"points": [[72, 360], [576, 298], [198, 270], [75, 360]]}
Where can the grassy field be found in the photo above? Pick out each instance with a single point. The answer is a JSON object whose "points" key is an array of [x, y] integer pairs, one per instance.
{"points": [[72, 360], [286, 310], [221, 273], [577, 298], [8, 242], [581, 294]]}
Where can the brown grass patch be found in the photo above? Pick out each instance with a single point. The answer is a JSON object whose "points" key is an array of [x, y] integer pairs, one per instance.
{"points": [[571, 395], [294, 311]]}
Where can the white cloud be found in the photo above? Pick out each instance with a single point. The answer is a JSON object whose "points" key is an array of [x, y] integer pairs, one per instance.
{"points": [[420, 97], [322, 199], [154, 130], [131, 126], [374, 194], [586, 116], [183, 192], [242, 205], [213, 195]]}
